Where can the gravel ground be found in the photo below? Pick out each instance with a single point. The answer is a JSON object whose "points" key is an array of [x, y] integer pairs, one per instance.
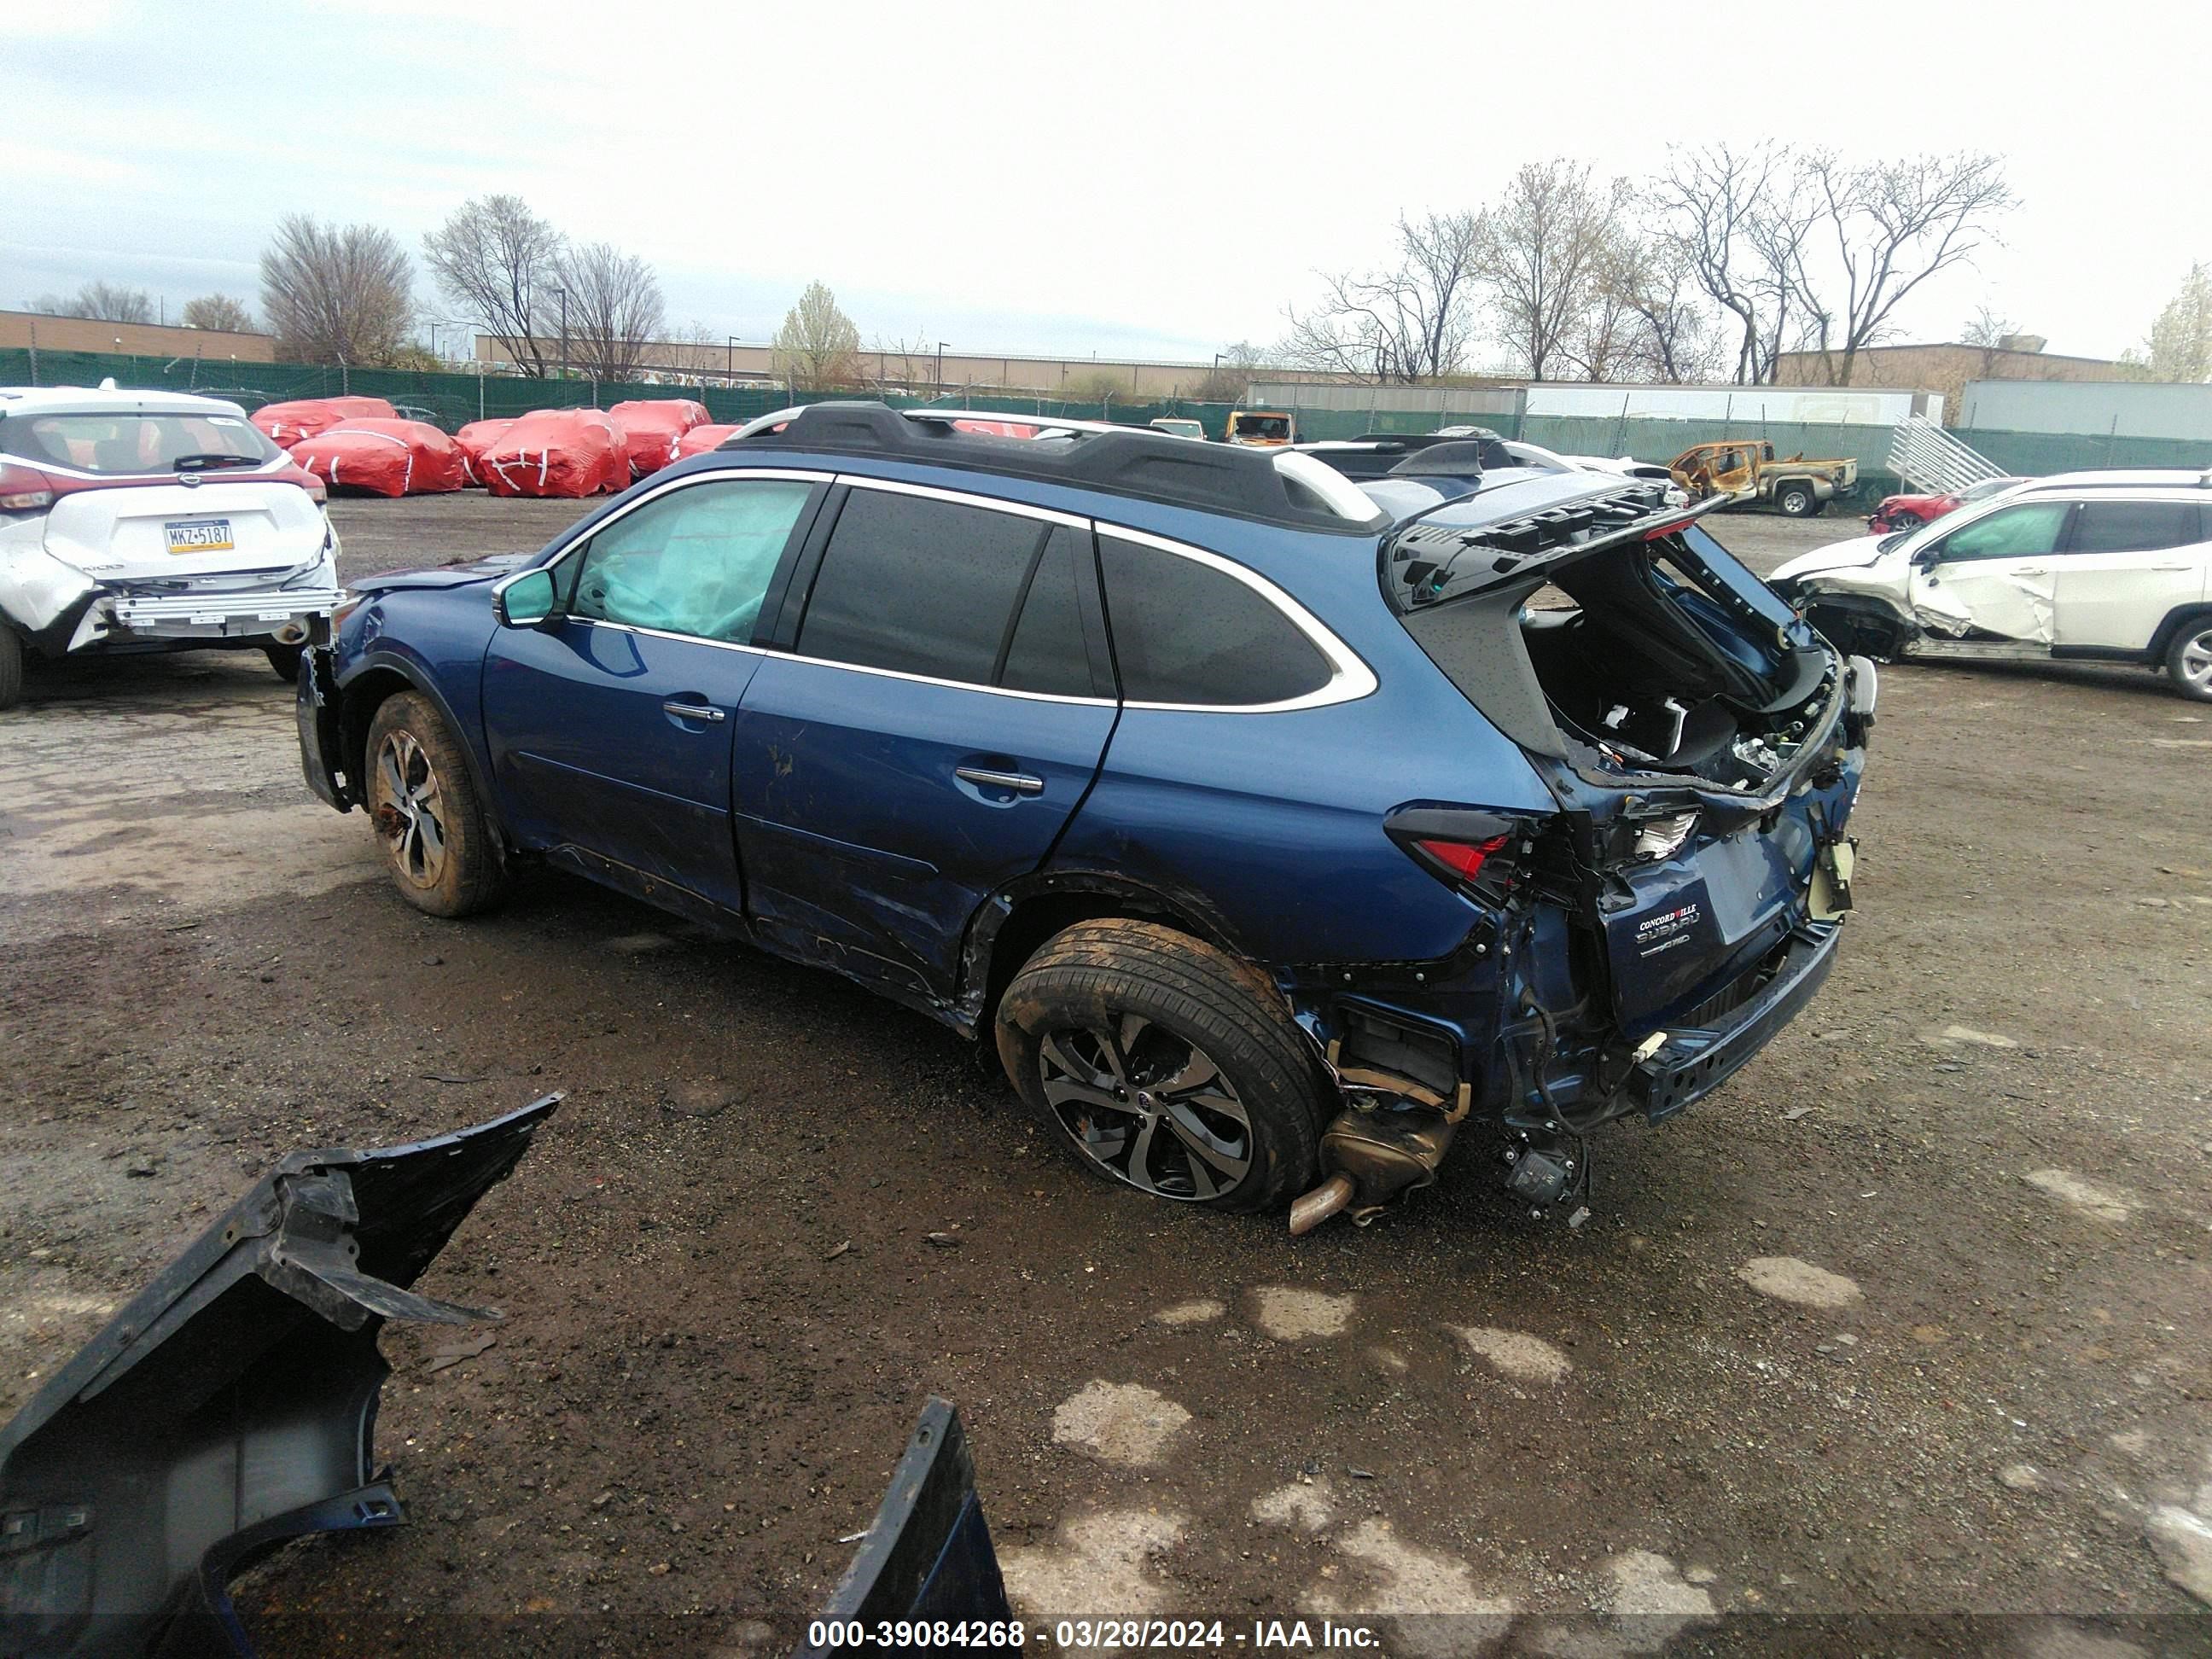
{"points": [[1908, 1326]]}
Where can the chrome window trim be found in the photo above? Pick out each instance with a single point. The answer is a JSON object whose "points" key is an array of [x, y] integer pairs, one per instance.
{"points": [[960, 498], [1350, 677], [850, 667]]}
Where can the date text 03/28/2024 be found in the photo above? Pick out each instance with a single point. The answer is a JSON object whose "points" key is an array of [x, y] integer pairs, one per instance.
{"points": [[1075, 1635]]}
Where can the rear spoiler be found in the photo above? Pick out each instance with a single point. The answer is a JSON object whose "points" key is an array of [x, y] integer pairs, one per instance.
{"points": [[1518, 546]]}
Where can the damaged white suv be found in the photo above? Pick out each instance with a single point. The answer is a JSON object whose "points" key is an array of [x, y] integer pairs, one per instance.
{"points": [[153, 521], [2112, 567]]}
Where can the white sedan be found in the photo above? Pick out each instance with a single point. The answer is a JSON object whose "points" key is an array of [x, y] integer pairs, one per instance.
{"points": [[153, 521]]}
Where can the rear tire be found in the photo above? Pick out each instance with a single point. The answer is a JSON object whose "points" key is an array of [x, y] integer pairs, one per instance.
{"points": [[2188, 659], [11, 667], [285, 660], [1797, 500], [1164, 1064], [423, 806]]}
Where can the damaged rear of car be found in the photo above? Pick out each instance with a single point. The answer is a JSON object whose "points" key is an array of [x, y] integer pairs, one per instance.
{"points": [[145, 521], [1639, 942]]}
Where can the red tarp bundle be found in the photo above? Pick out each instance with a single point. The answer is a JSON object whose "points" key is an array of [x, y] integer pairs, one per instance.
{"points": [[557, 451], [385, 457], [475, 438], [700, 438], [650, 427], [287, 423]]}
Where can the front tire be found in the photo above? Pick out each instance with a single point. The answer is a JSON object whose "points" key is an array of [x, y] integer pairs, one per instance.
{"points": [[1899, 522], [422, 806], [1797, 500], [1164, 1064], [2189, 659], [11, 667]]}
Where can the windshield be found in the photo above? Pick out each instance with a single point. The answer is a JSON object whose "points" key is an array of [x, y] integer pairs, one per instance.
{"points": [[131, 443]]}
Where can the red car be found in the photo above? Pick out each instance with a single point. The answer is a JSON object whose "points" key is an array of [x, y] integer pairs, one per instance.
{"points": [[1910, 511]]}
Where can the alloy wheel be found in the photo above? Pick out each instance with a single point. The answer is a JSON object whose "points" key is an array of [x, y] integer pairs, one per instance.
{"points": [[408, 809], [1148, 1107], [2195, 661]]}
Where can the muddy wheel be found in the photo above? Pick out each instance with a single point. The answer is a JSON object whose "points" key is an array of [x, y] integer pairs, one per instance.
{"points": [[11, 667], [285, 660], [1796, 499], [422, 806], [2189, 659], [1164, 1064]]}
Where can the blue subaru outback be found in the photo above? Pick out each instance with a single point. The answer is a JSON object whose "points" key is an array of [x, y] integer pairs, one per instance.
{"points": [[1274, 827]]}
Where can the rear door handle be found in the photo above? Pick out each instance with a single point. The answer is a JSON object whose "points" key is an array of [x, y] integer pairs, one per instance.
{"points": [[694, 711], [1020, 783]]}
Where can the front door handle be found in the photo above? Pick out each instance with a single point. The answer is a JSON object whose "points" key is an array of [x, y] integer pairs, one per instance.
{"points": [[1020, 783], [693, 711]]}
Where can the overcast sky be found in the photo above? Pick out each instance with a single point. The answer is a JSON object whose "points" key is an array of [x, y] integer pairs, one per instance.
{"points": [[1158, 179]]}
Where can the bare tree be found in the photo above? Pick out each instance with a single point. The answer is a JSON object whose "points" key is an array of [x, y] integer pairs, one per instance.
{"points": [[498, 261], [1408, 322], [1719, 207], [109, 303], [1886, 227], [217, 311], [1988, 330], [2180, 343], [902, 364], [817, 347], [615, 309], [1230, 378], [336, 293], [1672, 335], [1544, 252]]}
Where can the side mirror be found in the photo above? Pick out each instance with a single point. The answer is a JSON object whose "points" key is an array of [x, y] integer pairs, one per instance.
{"points": [[1923, 557], [526, 601]]}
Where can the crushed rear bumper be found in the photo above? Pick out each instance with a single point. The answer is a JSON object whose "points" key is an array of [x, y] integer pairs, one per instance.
{"points": [[1690, 1064]]}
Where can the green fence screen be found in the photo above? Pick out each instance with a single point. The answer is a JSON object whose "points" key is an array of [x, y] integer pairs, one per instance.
{"points": [[454, 399]]}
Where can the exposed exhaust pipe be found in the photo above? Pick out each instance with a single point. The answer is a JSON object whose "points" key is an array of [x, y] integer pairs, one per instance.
{"points": [[1322, 1202], [290, 634], [1371, 1156]]}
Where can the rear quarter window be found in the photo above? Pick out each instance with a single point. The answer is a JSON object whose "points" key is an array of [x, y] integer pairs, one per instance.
{"points": [[1184, 632]]}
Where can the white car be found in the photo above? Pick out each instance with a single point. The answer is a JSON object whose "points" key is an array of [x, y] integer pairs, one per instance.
{"points": [[2113, 567], [153, 521]]}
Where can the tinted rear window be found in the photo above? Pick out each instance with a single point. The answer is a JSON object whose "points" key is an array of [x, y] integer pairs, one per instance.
{"points": [[1186, 633], [922, 586], [130, 443], [2134, 526], [1050, 648]]}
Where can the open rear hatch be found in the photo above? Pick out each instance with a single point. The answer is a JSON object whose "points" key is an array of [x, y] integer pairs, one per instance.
{"points": [[1702, 745]]}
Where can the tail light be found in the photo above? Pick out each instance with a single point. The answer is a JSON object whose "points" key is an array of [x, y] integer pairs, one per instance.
{"points": [[1473, 850], [24, 489]]}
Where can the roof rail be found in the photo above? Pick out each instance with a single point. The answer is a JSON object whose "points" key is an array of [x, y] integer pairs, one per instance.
{"points": [[1134, 461]]}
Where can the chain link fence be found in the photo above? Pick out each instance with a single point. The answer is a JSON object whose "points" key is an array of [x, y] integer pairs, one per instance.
{"points": [[452, 400]]}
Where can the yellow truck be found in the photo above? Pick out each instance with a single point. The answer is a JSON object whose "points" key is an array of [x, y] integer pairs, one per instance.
{"points": [[1262, 429], [1746, 470]]}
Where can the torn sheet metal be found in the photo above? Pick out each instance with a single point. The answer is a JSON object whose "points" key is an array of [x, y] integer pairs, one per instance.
{"points": [[38, 591], [232, 1404]]}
